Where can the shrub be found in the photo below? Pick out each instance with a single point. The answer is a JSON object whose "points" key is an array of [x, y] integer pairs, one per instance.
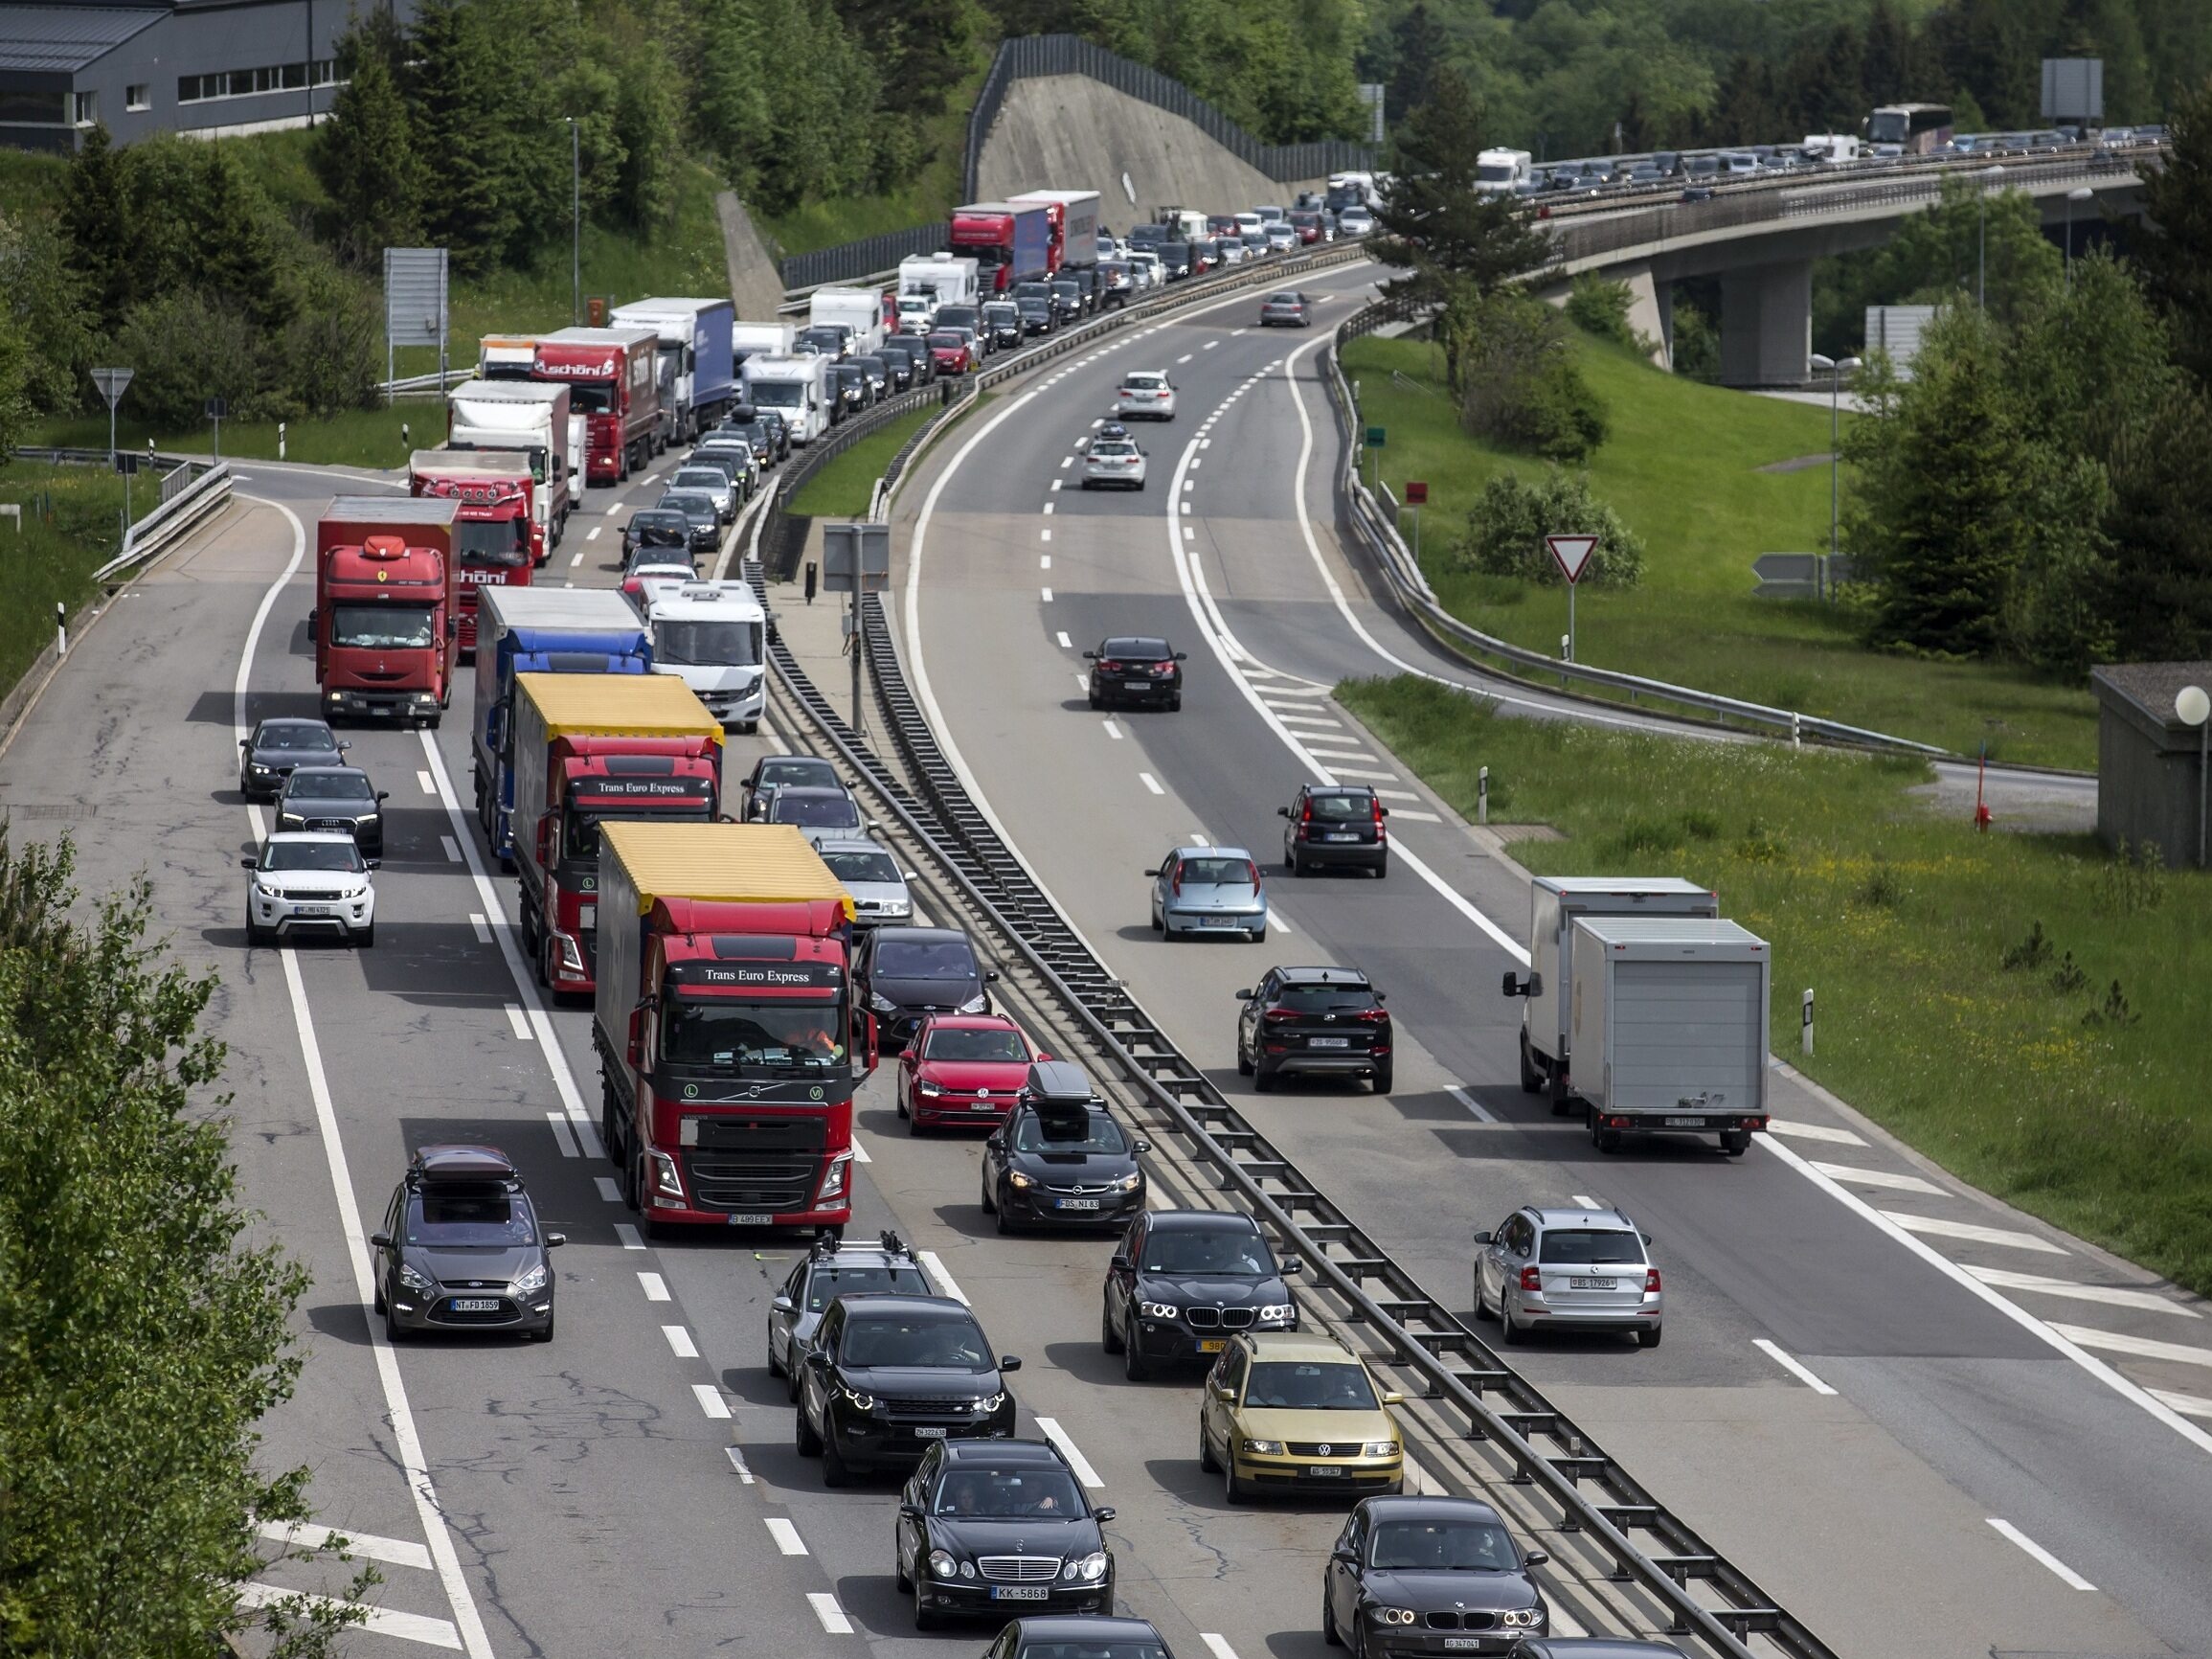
{"points": [[1599, 306], [1508, 522], [1519, 384]]}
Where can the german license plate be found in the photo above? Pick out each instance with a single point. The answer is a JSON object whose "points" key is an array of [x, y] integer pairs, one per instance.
{"points": [[1078, 1203], [1594, 1283], [929, 1433], [750, 1219], [475, 1305], [1212, 1345], [1019, 1592], [1329, 1043], [310, 910], [1685, 1122], [1136, 685], [1324, 1471]]}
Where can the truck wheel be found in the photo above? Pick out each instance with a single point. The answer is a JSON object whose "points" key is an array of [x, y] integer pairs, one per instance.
{"points": [[1562, 1098], [1735, 1142], [634, 1181], [1608, 1140], [1531, 1079]]}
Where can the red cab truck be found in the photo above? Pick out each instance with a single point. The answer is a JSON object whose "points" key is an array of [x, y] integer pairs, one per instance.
{"points": [[496, 536], [386, 607], [613, 381], [724, 1025], [1011, 243], [587, 749]]}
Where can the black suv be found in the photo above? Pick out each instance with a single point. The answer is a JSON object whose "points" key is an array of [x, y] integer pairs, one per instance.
{"points": [[1060, 1159], [1183, 1280], [985, 1523], [1317, 1021], [1329, 825], [889, 1377], [832, 1269], [279, 745], [1129, 671], [461, 1248], [1001, 325]]}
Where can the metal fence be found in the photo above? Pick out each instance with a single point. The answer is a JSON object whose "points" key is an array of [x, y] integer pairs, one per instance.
{"points": [[849, 262]]}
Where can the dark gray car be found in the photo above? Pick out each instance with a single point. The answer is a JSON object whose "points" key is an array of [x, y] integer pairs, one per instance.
{"points": [[700, 513], [266, 759], [901, 974], [334, 798], [461, 1248]]}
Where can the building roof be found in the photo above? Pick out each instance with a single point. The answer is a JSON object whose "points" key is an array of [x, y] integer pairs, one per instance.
{"points": [[2150, 689], [62, 40]]}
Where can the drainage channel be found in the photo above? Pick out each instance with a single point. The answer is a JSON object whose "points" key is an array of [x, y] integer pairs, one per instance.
{"points": [[1502, 1420]]}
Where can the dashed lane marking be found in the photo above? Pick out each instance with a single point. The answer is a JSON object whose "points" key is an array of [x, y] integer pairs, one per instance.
{"points": [[785, 1535], [1151, 782], [710, 1401], [558, 1122], [593, 534], [1046, 592], [482, 928], [452, 848], [1044, 561], [1111, 730], [655, 1287], [738, 1462], [680, 1342], [626, 1234], [831, 1615], [2072, 1580], [428, 782], [1066, 643], [608, 1190], [519, 1025]]}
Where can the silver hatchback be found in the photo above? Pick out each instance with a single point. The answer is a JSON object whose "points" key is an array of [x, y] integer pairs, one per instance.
{"points": [[1586, 1269]]}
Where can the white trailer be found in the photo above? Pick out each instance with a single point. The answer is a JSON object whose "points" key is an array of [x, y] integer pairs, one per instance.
{"points": [[943, 278], [711, 635], [1499, 171], [1670, 1026], [796, 388], [860, 309], [530, 417], [761, 340]]}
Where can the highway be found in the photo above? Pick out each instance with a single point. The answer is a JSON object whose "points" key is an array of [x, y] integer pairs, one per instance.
{"points": [[632, 1488]]}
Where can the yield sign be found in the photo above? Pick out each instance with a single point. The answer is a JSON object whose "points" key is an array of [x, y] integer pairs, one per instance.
{"points": [[1572, 551]]}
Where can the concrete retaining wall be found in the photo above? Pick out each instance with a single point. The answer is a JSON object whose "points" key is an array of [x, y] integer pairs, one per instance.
{"points": [[755, 283]]}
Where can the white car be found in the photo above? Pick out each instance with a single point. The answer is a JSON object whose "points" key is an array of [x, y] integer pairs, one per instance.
{"points": [[872, 876], [1146, 265], [1146, 394], [312, 881], [1114, 462], [1281, 237], [1355, 221]]}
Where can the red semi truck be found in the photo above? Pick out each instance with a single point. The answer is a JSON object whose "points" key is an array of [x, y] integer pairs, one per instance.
{"points": [[499, 540], [386, 607], [613, 377], [725, 1025], [1011, 243], [587, 749]]}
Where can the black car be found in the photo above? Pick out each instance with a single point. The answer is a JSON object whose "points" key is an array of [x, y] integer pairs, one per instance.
{"points": [[1314, 1022], [759, 435], [878, 373], [1078, 1636], [461, 1248], [700, 513], [1036, 314], [1002, 323], [850, 383], [337, 798], [899, 357], [968, 317], [656, 527], [1060, 1159], [1183, 1280], [1333, 825], [826, 338], [266, 758], [985, 1524], [1067, 298], [1129, 670], [771, 772], [1174, 260], [901, 973], [890, 1376], [1430, 1575], [834, 1267]]}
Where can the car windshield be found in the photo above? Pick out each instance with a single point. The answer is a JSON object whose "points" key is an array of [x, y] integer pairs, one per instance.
{"points": [[777, 393], [916, 1338], [1443, 1547], [708, 478], [827, 1283], [1009, 1494], [977, 1047], [719, 1033], [1324, 998], [1094, 1132], [327, 855], [944, 342], [1310, 1385], [1341, 809], [1121, 448], [310, 784], [472, 1213], [1217, 873], [797, 769], [1230, 1253], [714, 644], [294, 739], [816, 812], [925, 959], [492, 543], [1144, 382], [1578, 1248], [1285, 300], [382, 628], [690, 505]]}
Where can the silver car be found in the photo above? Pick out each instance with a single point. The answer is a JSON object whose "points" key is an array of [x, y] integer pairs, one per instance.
{"points": [[1281, 238], [712, 483], [1558, 1268], [829, 1270], [1146, 394], [1202, 890], [872, 876], [1115, 462], [312, 882], [1288, 310]]}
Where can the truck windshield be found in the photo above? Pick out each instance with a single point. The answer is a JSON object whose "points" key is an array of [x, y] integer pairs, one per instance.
{"points": [[382, 628], [721, 1034], [592, 397], [708, 644], [580, 831], [492, 544], [775, 394]]}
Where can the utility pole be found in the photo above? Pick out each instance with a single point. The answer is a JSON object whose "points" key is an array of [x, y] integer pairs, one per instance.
{"points": [[576, 224], [1835, 370]]}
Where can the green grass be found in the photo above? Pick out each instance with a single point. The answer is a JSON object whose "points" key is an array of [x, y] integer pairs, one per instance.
{"points": [[1900, 922], [842, 489], [72, 525], [356, 438], [1681, 467]]}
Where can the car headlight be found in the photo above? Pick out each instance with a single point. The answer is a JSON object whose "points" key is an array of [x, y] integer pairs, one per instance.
{"points": [[289, 821], [1088, 1568], [880, 1003], [1019, 1181], [853, 1397], [1130, 1183], [266, 891], [1522, 1617], [415, 1279], [975, 1004], [532, 1278], [258, 770], [1266, 1449], [1157, 1309], [922, 1086], [1380, 1448], [984, 1407], [1276, 1311], [942, 1564], [1392, 1615]]}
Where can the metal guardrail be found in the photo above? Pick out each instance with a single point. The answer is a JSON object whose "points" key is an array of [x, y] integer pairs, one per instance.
{"points": [[436, 380], [781, 556], [849, 262], [180, 513]]}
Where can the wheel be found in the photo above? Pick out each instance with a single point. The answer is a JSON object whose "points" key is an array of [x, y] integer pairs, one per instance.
{"points": [[544, 1335], [1513, 1335], [1109, 1338], [1205, 1458], [1382, 867], [394, 1333], [1232, 1489], [805, 1440], [378, 1301], [998, 1214], [1097, 702], [1481, 1302], [923, 1617], [1262, 1079], [1259, 934], [1085, 484], [1134, 1365], [834, 1473], [1735, 1142], [254, 935], [1649, 1338], [1531, 1079], [898, 1102], [899, 1572], [1298, 866], [1608, 1140], [1158, 923], [985, 1197], [1243, 1061], [1383, 1077], [368, 938], [1174, 703], [634, 1180], [776, 1367], [1329, 1631], [1562, 1101]]}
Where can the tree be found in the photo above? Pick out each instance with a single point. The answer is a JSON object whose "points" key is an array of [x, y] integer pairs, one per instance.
{"points": [[365, 153], [44, 298], [1509, 520], [457, 86], [1513, 364], [2176, 249], [1971, 240], [238, 251], [1435, 220], [96, 214], [1418, 45]]}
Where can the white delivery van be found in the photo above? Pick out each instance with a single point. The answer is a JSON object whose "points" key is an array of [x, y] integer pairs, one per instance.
{"points": [[796, 388], [712, 636], [1499, 171], [860, 309]]}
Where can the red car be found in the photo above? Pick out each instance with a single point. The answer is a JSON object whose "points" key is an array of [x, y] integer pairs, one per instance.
{"points": [[962, 1069], [949, 354]]}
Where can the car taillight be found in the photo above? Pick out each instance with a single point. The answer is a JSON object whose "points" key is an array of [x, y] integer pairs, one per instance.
{"points": [[1281, 1013], [1252, 874], [1529, 1279], [1161, 670], [1178, 887], [1651, 1280], [1107, 665], [1372, 1016]]}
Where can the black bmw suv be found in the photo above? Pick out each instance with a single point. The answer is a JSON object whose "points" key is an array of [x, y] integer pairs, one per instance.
{"points": [[889, 1377], [1129, 671], [987, 1525], [1183, 1280], [1314, 1022]]}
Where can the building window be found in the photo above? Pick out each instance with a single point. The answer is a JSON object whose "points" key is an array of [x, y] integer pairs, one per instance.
{"points": [[32, 109], [87, 109], [139, 96], [251, 82]]}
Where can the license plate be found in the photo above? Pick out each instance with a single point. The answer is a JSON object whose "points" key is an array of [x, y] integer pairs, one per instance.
{"points": [[1212, 1345], [1078, 1203], [1324, 1471], [310, 910], [382, 711], [1685, 1122], [1019, 1592], [1351, 837], [982, 1107], [1593, 1285], [1329, 1043], [475, 1305], [929, 1433], [1462, 1644], [588, 917], [1136, 685], [749, 1218]]}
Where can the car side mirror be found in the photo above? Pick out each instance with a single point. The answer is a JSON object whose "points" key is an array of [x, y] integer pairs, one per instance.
{"points": [[818, 1360], [1534, 1559], [1010, 1362], [1483, 1236], [1646, 1238], [1391, 1397], [383, 794], [382, 1240], [1119, 1263], [1241, 995], [1144, 1146], [1381, 997], [1153, 872], [248, 743], [249, 863], [373, 863], [1182, 656], [1291, 1266], [1282, 812], [345, 743], [1104, 1514], [990, 976], [783, 1303], [1516, 985], [555, 1240], [1383, 812], [911, 875], [1227, 1396], [910, 1512]]}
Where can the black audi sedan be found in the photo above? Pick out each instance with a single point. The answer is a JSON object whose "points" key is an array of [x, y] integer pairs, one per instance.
{"points": [[266, 758], [985, 1526], [1183, 1280], [1430, 1575], [902, 974], [461, 1248], [1132, 672], [890, 1376], [1060, 1159], [334, 798], [656, 527]]}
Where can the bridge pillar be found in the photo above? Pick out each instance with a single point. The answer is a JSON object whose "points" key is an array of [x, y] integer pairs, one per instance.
{"points": [[1649, 303], [1767, 325]]}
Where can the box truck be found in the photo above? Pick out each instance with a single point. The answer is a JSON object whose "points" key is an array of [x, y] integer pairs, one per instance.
{"points": [[495, 536], [1073, 216], [749, 340], [1010, 243], [697, 370], [1500, 171], [613, 377]]}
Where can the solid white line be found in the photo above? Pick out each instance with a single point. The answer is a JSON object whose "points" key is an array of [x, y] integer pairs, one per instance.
{"points": [[562, 1138], [785, 1535], [381, 1620], [2071, 1578], [307, 1536], [1111, 730], [408, 1444], [831, 1615], [627, 1236], [1469, 1101], [680, 1342], [1076, 1460], [738, 1462], [428, 788], [1066, 643], [2138, 1346], [608, 1190], [2187, 1404], [1794, 1366], [521, 1025], [1891, 1179], [1973, 1233], [655, 1287], [452, 848], [1812, 1132], [482, 927], [2110, 1295], [934, 1265], [1151, 782], [710, 1401]]}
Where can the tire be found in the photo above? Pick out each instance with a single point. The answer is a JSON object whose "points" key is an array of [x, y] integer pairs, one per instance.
{"points": [[776, 1367], [834, 1471], [1736, 1142], [805, 1440], [1097, 702], [1649, 1338], [1481, 1302], [1174, 703], [1382, 1078], [1608, 1140], [898, 1102], [1109, 1338], [254, 934], [1262, 1079], [1531, 1079], [1232, 1489], [1259, 934], [1329, 1631], [377, 1301], [394, 1333], [1134, 1365], [1515, 1336], [634, 1181], [1382, 867], [1243, 1061], [899, 1572], [368, 938], [1207, 1461], [984, 1198], [998, 1216], [923, 1617], [547, 1334]]}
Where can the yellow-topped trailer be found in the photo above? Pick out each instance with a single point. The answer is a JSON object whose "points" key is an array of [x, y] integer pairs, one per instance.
{"points": [[728, 1040]]}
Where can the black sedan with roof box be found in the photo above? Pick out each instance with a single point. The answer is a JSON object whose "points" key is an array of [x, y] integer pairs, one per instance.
{"points": [[1060, 1159], [1131, 671]]}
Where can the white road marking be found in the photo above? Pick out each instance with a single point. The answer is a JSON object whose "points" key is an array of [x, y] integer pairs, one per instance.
{"points": [[1048, 507], [1044, 535], [429, 786], [307, 1536], [1083, 684], [1326, 755], [1096, 424], [1205, 444], [831, 1615], [1151, 782], [1066, 643], [626, 1234], [1065, 465], [452, 848], [710, 1401], [2140, 1347], [1795, 1368], [1197, 461], [933, 1265], [1044, 561], [1277, 918], [1076, 1460], [2187, 1404], [381, 1622], [482, 927], [1397, 794], [520, 1025], [1047, 592], [680, 1342], [1055, 486], [614, 508], [1416, 816], [1584, 1201], [1972, 1231], [592, 535], [2111, 1295], [2072, 1580], [1217, 1646], [1891, 1179], [1210, 344], [562, 1139], [1384, 778], [1238, 333], [608, 1190], [1317, 720], [1812, 1132], [1190, 533], [785, 1535], [1186, 357], [1459, 1094], [860, 1152], [1188, 485], [738, 1462], [655, 1287], [577, 558], [1198, 839], [1111, 730]]}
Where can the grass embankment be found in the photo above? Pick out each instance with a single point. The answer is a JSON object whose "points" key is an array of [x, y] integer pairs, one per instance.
{"points": [[71, 526], [2032, 1081], [842, 489], [1681, 467]]}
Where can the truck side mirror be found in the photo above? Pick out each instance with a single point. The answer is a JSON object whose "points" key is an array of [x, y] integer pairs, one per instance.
{"points": [[1516, 985], [637, 1042]]}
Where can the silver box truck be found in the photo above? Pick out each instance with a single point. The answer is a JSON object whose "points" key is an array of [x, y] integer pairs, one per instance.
{"points": [[1670, 1026], [1555, 904]]}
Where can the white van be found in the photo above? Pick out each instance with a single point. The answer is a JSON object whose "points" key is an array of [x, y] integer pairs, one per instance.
{"points": [[796, 388], [712, 636], [1497, 171], [860, 309]]}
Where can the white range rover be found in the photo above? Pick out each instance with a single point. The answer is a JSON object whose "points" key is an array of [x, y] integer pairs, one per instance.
{"points": [[310, 881]]}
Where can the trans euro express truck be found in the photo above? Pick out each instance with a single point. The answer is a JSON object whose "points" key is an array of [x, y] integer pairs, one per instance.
{"points": [[533, 419], [386, 607], [613, 381], [588, 748], [494, 534], [538, 630], [1010, 243], [698, 374], [725, 1025]]}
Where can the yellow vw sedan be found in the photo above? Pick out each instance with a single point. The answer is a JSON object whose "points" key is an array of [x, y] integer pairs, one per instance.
{"points": [[1284, 1411]]}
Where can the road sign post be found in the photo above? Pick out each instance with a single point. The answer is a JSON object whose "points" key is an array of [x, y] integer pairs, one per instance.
{"points": [[1417, 497], [1374, 441], [216, 409], [856, 560], [111, 383], [1572, 553]]}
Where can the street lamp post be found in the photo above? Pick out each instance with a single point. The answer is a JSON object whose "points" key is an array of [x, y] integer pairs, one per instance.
{"points": [[2195, 708], [1834, 370], [1981, 239], [2081, 193], [575, 223]]}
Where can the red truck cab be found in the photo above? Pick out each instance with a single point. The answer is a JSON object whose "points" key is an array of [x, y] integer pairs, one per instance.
{"points": [[387, 608], [498, 540]]}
